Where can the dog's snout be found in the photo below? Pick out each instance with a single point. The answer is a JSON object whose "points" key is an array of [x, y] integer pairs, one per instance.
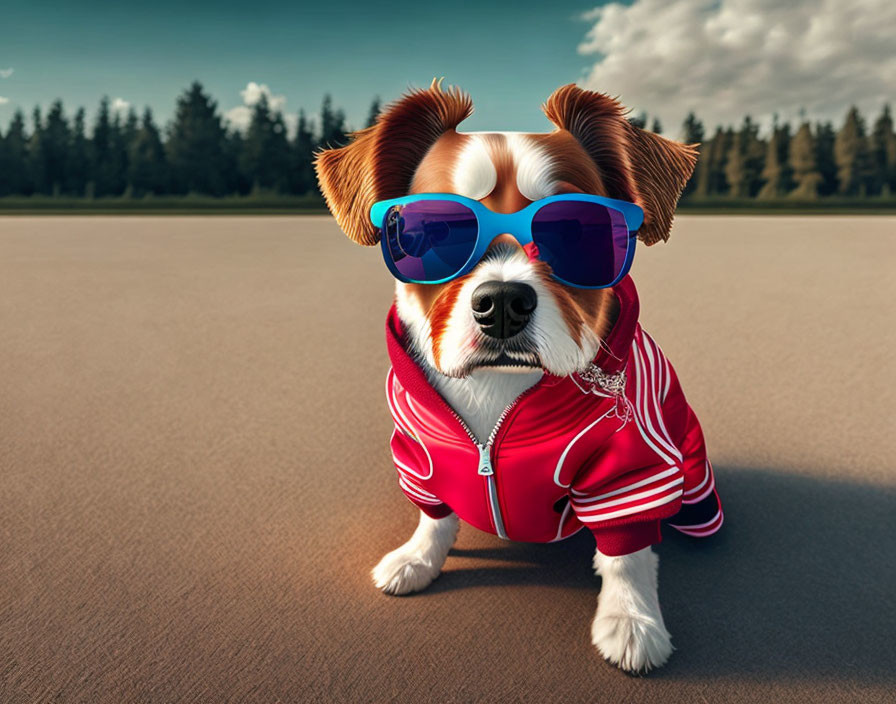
{"points": [[503, 308]]}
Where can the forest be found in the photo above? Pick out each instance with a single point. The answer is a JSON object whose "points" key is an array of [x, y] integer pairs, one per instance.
{"points": [[130, 156]]}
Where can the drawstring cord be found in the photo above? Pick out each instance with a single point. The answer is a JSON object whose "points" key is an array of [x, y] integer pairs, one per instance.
{"points": [[610, 385]]}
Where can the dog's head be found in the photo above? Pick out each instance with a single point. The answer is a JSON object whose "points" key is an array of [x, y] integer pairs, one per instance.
{"points": [[414, 147]]}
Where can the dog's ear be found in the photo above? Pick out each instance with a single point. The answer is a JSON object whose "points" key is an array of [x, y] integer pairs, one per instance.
{"points": [[380, 161], [634, 164], [661, 170]]}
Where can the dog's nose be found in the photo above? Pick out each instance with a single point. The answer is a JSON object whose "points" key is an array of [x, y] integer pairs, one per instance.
{"points": [[503, 308]]}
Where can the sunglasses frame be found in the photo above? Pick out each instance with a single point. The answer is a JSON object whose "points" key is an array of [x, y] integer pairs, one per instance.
{"points": [[518, 225]]}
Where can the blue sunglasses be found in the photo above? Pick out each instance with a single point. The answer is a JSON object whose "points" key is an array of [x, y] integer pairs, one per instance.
{"points": [[430, 238]]}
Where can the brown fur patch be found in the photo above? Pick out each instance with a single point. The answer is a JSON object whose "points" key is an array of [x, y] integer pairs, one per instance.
{"points": [[598, 123], [595, 309], [435, 173], [439, 313], [380, 161], [573, 169], [569, 308], [633, 164], [600, 308]]}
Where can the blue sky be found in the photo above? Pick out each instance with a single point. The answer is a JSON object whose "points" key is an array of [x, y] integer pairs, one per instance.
{"points": [[508, 55], [721, 58]]}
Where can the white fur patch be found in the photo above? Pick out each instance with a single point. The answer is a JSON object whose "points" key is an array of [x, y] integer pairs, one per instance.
{"points": [[481, 397], [628, 628], [415, 564], [534, 167], [474, 173]]}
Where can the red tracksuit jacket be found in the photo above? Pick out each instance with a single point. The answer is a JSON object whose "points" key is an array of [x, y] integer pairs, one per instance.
{"points": [[615, 449]]}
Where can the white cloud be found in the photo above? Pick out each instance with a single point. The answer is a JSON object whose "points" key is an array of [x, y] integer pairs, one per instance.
{"points": [[726, 58], [120, 106], [3, 101], [240, 116], [253, 92], [5, 72]]}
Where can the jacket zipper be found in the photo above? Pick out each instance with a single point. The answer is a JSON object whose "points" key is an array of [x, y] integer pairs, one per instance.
{"points": [[486, 468]]}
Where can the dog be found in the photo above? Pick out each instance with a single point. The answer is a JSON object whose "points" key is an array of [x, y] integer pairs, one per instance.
{"points": [[527, 399]]}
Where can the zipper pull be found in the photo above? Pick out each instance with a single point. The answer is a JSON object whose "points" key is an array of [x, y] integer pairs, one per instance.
{"points": [[485, 462]]}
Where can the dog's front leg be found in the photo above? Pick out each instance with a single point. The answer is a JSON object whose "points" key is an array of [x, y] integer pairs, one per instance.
{"points": [[628, 628], [413, 566]]}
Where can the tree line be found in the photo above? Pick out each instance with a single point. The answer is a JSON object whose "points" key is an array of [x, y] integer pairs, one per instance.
{"points": [[812, 161], [199, 153]]}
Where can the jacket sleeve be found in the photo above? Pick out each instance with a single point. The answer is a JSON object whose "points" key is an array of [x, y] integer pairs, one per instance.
{"points": [[631, 482], [410, 460], [701, 512]]}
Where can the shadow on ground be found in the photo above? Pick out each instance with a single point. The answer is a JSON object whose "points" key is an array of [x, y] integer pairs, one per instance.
{"points": [[801, 581]]}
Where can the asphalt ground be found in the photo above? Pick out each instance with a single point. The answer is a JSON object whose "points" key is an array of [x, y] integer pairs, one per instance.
{"points": [[195, 478]]}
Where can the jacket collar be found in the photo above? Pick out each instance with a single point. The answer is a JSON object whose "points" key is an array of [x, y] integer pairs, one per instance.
{"points": [[613, 355], [611, 358]]}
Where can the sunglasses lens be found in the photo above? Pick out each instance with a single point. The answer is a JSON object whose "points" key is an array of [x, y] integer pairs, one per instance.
{"points": [[584, 243], [430, 240]]}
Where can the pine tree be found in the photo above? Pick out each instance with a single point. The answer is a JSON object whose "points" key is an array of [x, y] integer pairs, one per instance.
{"points": [[721, 185], [374, 112], [103, 177], [692, 129], [79, 157], [236, 181], [785, 135], [332, 125], [883, 153], [265, 154], [736, 171], [852, 156], [803, 161], [302, 173], [147, 169], [54, 149], [703, 172], [639, 120], [784, 138], [196, 145], [776, 175], [4, 167], [753, 150], [692, 133], [14, 159], [711, 179], [825, 136], [124, 132], [656, 127], [36, 167], [117, 163]]}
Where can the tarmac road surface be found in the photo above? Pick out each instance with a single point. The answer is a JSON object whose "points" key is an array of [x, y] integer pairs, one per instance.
{"points": [[195, 479]]}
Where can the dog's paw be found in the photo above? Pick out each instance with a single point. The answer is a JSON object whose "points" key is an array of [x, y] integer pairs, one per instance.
{"points": [[636, 645], [404, 571]]}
